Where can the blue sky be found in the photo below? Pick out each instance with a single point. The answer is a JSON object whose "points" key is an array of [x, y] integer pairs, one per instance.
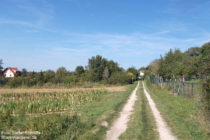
{"points": [[46, 34]]}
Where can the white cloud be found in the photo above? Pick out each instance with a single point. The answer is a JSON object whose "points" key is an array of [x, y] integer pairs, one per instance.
{"points": [[34, 14], [128, 49]]}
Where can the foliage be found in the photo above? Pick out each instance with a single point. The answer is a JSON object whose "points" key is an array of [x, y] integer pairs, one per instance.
{"points": [[205, 59], [206, 99], [79, 70], [191, 64], [134, 71], [97, 65], [173, 64], [106, 73], [153, 68], [99, 70], [102, 68], [1, 67], [120, 78]]}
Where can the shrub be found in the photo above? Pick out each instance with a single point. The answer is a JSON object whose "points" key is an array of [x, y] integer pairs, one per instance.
{"points": [[120, 78], [206, 98]]}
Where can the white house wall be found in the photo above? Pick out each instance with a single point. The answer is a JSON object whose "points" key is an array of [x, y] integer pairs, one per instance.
{"points": [[9, 74]]}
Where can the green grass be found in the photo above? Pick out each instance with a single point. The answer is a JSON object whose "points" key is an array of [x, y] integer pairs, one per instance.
{"points": [[181, 114], [85, 123], [141, 125], [104, 110]]}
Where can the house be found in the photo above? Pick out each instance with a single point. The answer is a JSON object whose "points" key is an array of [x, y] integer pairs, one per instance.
{"points": [[11, 72], [141, 73]]}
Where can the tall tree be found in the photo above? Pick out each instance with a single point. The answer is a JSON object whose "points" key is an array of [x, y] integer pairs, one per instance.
{"points": [[172, 65], [24, 72], [152, 69], [79, 70], [1, 67], [106, 73], [205, 59], [60, 73], [134, 71], [97, 65], [113, 67]]}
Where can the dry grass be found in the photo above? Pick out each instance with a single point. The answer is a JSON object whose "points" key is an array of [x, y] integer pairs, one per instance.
{"points": [[110, 89]]}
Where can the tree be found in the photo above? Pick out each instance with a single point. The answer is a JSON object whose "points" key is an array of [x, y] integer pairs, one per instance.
{"points": [[49, 76], [79, 70], [134, 71], [106, 73], [194, 51], [113, 67], [60, 73], [173, 64], [205, 59], [1, 67], [97, 65], [152, 69], [24, 72]]}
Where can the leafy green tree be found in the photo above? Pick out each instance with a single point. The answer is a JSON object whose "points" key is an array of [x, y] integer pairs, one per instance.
{"points": [[87, 76], [24, 72], [152, 69], [79, 70], [60, 74], [134, 71], [106, 73], [1, 67], [97, 64], [113, 67], [205, 59], [40, 78], [173, 65], [49, 76], [193, 51]]}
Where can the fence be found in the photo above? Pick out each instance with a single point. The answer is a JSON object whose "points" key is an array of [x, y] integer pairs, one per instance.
{"points": [[185, 88], [179, 87]]}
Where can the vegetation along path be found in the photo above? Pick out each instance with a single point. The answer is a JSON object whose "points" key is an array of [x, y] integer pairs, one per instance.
{"points": [[120, 125], [163, 130]]}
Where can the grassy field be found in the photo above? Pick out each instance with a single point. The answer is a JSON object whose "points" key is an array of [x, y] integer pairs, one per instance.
{"points": [[181, 113], [80, 114], [141, 125]]}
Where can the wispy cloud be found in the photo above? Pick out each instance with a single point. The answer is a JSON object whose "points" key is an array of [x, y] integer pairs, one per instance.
{"points": [[141, 48], [34, 14]]}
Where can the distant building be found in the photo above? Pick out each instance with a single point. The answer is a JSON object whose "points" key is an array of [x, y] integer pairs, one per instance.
{"points": [[141, 74], [11, 72]]}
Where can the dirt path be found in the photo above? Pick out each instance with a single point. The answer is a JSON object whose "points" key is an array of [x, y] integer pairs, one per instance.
{"points": [[163, 129], [120, 125]]}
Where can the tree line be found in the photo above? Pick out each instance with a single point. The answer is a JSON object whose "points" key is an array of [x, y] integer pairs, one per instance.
{"points": [[98, 70], [191, 64]]}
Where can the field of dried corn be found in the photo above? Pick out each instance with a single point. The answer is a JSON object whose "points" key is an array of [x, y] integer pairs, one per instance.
{"points": [[45, 101]]}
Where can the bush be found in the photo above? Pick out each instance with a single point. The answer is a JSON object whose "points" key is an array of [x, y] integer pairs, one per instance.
{"points": [[206, 98], [3, 81], [120, 78], [15, 82]]}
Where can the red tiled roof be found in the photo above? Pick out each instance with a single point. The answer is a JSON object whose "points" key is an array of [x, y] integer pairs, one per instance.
{"points": [[14, 70]]}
